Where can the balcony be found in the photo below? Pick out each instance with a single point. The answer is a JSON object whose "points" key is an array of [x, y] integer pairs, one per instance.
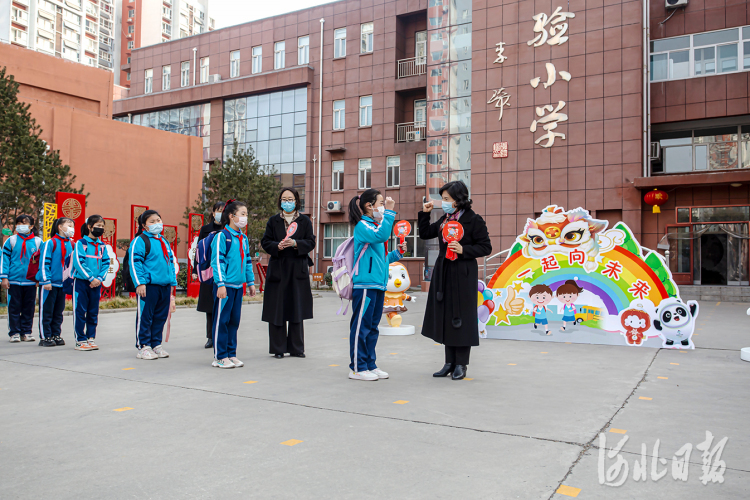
{"points": [[411, 131], [412, 66]]}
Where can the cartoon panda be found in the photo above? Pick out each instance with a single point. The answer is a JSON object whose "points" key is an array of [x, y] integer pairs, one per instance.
{"points": [[675, 322]]}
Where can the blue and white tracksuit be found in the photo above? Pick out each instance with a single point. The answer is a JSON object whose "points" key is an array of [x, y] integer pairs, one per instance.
{"points": [[14, 266], [232, 267], [369, 285], [90, 262], [54, 258], [157, 271]]}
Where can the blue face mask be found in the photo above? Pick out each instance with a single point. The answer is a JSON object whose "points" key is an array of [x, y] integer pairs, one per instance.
{"points": [[217, 218], [156, 228], [288, 206], [448, 207]]}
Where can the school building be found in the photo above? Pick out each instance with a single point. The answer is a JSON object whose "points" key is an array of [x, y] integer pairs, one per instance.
{"points": [[591, 103]]}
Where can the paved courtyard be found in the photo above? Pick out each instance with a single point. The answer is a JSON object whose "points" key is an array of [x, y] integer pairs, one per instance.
{"points": [[525, 424]]}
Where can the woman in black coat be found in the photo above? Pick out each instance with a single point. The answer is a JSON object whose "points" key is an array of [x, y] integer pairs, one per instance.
{"points": [[287, 296], [450, 316], [206, 294]]}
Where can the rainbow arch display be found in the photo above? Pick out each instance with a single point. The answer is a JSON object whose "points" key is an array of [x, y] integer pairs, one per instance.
{"points": [[568, 265]]}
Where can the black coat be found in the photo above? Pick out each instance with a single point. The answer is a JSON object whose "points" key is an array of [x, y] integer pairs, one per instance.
{"points": [[286, 294], [450, 316], [206, 294]]}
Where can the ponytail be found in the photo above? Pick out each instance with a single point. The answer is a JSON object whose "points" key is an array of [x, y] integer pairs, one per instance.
{"points": [[230, 209], [357, 205], [58, 222], [90, 221]]}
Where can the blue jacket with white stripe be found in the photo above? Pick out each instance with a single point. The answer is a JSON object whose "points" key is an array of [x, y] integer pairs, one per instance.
{"points": [[154, 268], [51, 263], [230, 269], [90, 259], [373, 266], [13, 265]]}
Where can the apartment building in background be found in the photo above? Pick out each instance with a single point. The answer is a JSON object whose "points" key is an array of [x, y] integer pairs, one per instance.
{"points": [[530, 103], [149, 22]]}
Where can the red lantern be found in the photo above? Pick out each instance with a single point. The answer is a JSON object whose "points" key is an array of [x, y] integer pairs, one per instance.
{"points": [[655, 198]]}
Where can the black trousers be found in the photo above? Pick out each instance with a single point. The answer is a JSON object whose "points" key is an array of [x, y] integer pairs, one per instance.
{"points": [[51, 307], [21, 302], [457, 355], [279, 342], [209, 325]]}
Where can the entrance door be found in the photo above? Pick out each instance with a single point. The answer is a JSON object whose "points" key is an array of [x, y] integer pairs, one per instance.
{"points": [[713, 259], [420, 112]]}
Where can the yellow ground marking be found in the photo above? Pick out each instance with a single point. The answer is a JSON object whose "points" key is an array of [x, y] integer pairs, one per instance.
{"points": [[393, 353], [511, 364], [544, 352], [683, 351], [124, 369], [568, 491], [618, 431], [333, 365], [292, 442], [468, 379], [437, 343], [645, 398], [718, 303], [674, 364], [123, 409], [572, 342], [663, 378], [400, 402], [250, 382]]}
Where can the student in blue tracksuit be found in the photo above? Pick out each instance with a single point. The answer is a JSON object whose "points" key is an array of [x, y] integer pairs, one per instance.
{"points": [[373, 225], [14, 266], [232, 266], [54, 263], [154, 277], [90, 264]]}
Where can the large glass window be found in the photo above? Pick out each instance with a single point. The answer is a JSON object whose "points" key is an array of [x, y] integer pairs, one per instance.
{"points": [[365, 174], [392, 171], [184, 73], [339, 43], [303, 50], [257, 59], [365, 111], [166, 77], [333, 236], [279, 55], [702, 150], [337, 169], [234, 64], [149, 81], [366, 31], [204, 70], [339, 112], [421, 163], [415, 246]]}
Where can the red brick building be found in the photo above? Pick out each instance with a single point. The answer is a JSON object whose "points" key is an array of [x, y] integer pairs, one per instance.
{"points": [[418, 92]]}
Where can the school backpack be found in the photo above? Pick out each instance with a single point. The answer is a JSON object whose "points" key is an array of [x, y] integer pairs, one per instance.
{"points": [[203, 256], [33, 261], [67, 275], [127, 279], [344, 270]]}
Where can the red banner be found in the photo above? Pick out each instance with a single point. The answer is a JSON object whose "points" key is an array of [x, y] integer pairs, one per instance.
{"points": [[194, 229], [110, 238], [135, 212], [72, 206]]}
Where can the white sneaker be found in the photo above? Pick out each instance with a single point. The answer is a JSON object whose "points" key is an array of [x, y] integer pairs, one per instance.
{"points": [[159, 351], [223, 363], [236, 362], [28, 338], [146, 353], [15, 338], [366, 375], [380, 373]]}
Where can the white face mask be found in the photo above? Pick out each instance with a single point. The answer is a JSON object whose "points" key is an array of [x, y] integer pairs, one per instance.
{"points": [[23, 229], [241, 222], [217, 217], [378, 213], [70, 232]]}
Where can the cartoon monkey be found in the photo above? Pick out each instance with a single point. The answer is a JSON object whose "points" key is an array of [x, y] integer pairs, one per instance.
{"points": [[635, 322]]}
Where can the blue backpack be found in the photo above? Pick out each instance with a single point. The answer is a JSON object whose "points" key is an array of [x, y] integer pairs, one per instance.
{"points": [[203, 255]]}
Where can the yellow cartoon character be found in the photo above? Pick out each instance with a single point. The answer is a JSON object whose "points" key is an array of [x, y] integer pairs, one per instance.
{"points": [[398, 283]]}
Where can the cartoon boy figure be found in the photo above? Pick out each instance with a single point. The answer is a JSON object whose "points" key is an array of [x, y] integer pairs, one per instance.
{"points": [[540, 296], [567, 294]]}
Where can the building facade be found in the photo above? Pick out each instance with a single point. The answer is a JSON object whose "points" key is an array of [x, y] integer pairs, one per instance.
{"points": [[530, 103]]}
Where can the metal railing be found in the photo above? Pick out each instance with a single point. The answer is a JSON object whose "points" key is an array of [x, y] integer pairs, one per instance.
{"points": [[412, 67], [411, 132], [489, 269]]}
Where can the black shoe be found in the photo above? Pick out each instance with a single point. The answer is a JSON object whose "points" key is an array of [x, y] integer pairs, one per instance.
{"points": [[298, 355], [445, 371], [209, 344], [58, 340], [278, 356], [47, 343], [459, 373]]}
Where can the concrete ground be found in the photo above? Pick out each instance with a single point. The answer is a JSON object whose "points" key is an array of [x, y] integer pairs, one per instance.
{"points": [[525, 424]]}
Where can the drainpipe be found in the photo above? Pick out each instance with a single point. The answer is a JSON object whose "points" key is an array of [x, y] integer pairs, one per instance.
{"points": [[646, 92], [320, 147], [195, 68]]}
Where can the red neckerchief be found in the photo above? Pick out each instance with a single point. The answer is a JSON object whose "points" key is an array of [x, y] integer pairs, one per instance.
{"points": [[242, 247], [62, 250], [23, 246], [164, 249]]}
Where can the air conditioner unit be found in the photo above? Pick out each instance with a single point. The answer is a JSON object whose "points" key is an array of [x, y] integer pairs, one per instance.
{"points": [[334, 206], [329, 269], [655, 151], [214, 78], [674, 4]]}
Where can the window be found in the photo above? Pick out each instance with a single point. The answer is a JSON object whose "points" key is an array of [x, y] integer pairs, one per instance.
{"points": [[339, 109], [184, 73], [333, 236], [90, 44], [45, 24], [702, 150], [392, 171], [365, 111], [415, 246], [166, 77], [128, 75], [339, 43], [70, 54], [166, 12], [257, 59], [131, 13], [71, 35], [131, 29], [337, 183], [702, 54], [105, 56], [366, 34], [149, 81], [73, 18], [365, 174], [421, 167], [166, 28], [204, 70], [19, 15], [45, 44], [131, 45], [234, 64], [279, 55], [303, 50], [47, 5], [90, 26]]}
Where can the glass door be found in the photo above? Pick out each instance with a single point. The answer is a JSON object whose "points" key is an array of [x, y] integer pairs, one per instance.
{"points": [[420, 112], [420, 49], [680, 254]]}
